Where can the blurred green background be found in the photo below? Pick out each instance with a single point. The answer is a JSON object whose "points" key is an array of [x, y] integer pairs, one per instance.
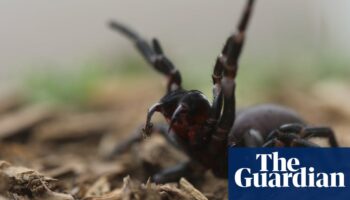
{"points": [[256, 80]]}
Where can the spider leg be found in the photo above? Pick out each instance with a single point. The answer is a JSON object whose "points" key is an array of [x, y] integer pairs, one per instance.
{"points": [[303, 143], [295, 135], [282, 133], [252, 138], [284, 136], [137, 137], [273, 143], [323, 132], [291, 128], [153, 54], [307, 132], [288, 140], [189, 169], [224, 76], [126, 144]]}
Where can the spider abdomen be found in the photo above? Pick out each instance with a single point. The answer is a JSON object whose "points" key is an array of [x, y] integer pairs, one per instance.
{"points": [[263, 119]]}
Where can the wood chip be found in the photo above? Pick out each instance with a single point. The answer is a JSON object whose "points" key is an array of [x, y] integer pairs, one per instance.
{"points": [[173, 192], [10, 102], [100, 187], [189, 188], [334, 96], [73, 127], [27, 182], [23, 120]]}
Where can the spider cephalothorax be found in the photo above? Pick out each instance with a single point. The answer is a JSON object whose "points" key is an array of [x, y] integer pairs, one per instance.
{"points": [[204, 130], [185, 111]]}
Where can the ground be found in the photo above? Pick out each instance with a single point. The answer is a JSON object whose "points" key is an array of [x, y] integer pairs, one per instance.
{"points": [[61, 152]]}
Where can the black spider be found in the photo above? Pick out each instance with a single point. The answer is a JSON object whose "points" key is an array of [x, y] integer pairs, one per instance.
{"points": [[204, 130]]}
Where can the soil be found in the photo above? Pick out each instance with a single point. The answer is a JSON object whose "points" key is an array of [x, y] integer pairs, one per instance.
{"points": [[59, 152]]}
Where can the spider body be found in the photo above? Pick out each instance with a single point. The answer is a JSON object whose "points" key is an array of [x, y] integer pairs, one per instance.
{"points": [[205, 130], [251, 128], [261, 119]]}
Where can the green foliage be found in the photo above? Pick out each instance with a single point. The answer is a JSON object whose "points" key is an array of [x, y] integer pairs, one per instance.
{"points": [[68, 87], [256, 80], [74, 86]]}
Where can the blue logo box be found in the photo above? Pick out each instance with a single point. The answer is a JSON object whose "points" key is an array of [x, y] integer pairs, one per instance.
{"points": [[289, 173]]}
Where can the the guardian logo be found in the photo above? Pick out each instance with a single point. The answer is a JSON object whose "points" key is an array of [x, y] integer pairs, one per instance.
{"points": [[289, 173], [279, 172]]}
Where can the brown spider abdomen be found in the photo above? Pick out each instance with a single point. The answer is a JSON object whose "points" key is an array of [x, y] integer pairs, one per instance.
{"points": [[262, 118]]}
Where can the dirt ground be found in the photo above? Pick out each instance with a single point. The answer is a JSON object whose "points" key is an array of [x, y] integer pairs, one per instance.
{"points": [[51, 152]]}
